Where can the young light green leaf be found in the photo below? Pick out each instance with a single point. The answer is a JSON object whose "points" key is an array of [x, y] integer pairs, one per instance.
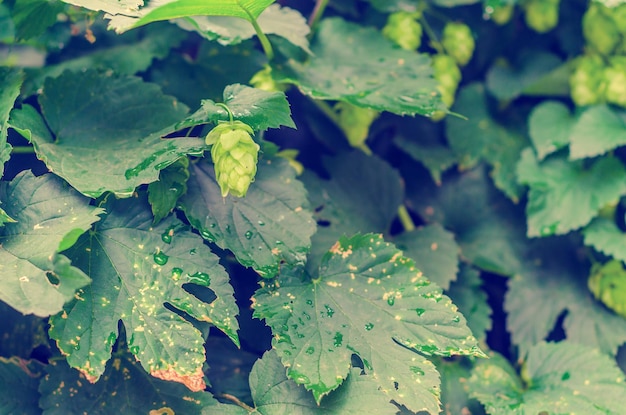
{"points": [[467, 293], [533, 309], [561, 378], [172, 184], [606, 237], [99, 148], [244, 9], [20, 380], [11, 81], [275, 20], [137, 269], [565, 195], [271, 225], [125, 388], [480, 137], [4, 218], [549, 126], [434, 251], [371, 301], [275, 394], [255, 107], [598, 130], [49, 217], [363, 195], [358, 65]]}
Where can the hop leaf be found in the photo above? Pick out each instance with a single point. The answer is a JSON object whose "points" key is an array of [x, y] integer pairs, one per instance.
{"points": [[542, 15], [235, 157], [615, 77], [403, 29], [587, 83], [608, 284], [458, 42], [600, 30]]}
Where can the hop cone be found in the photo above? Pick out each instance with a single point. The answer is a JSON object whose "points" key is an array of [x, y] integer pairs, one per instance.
{"points": [[608, 284], [615, 77], [404, 30], [600, 30], [542, 15], [458, 41], [587, 84], [235, 157]]}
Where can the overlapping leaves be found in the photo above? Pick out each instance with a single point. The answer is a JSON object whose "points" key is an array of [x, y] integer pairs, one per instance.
{"points": [[271, 225], [358, 65], [560, 378], [142, 275], [96, 146], [366, 300], [49, 217]]}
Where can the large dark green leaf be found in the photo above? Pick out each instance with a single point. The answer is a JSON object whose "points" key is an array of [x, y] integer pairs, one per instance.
{"points": [[108, 131], [258, 108], [481, 138], [565, 195], [11, 80], [358, 65], [271, 225], [49, 217], [552, 282], [468, 294], [434, 251], [371, 301], [137, 269], [562, 378], [363, 195], [19, 379], [125, 388]]}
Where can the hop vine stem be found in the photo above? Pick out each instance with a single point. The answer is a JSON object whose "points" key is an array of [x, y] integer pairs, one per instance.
{"points": [[318, 11]]}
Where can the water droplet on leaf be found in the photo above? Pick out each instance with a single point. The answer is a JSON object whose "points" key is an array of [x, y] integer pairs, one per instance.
{"points": [[338, 339], [391, 300], [248, 235], [176, 273], [369, 326], [416, 370], [200, 278], [310, 350], [160, 258], [420, 311], [134, 349], [329, 311], [261, 223]]}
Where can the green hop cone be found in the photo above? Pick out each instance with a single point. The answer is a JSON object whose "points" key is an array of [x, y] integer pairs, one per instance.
{"points": [[403, 29], [235, 157], [263, 80], [542, 15], [446, 71], [600, 30], [608, 284], [587, 83], [615, 78], [355, 123], [501, 15], [458, 41]]}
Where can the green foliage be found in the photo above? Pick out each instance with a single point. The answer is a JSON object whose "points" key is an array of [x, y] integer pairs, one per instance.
{"points": [[257, 207]]}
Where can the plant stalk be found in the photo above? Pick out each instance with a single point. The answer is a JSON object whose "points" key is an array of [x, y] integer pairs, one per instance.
{"points": [[405, 219], [265, 42], [318, 11], [23, 150]]}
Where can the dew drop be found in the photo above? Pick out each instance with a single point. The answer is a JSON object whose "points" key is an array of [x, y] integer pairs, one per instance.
{"points": [[369, 326], [207, 235], [192, 251], [306, 315], [160, 258], [176, 273], [279, 243], [248, 235], [111, 339], [338, 339], [227, 228], [213, 225], [286, 352], [310, 302], [261, 223], [166, 238], [76, 346], [420, 311], [200, 278], [391, 300], [416, 370], [329, 311], [456, 319], [310, 350], [134, 349]]}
